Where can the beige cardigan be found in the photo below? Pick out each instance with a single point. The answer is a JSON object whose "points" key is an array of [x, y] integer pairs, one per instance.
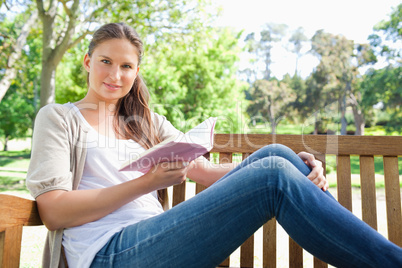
{"points": [[58, 159]]}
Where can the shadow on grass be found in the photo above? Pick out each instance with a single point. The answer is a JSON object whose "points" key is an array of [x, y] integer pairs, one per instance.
{"points": [[12, 184], [14, 159]]}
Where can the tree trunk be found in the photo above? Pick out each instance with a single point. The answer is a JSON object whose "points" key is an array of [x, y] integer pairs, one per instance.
{"points": [[5, 148], [271, 115], [10, 72], [344, 123], [316, 124], [48, 81], [359, 121], [358, 115], [54, 46], [273, 126]]}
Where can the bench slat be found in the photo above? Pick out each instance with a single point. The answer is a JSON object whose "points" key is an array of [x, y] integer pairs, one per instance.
{"points": [[179, 193], [317, 262], [344, 181], [269, 244], [393, 199], [295, 254], [247, 249], [18, 211], [225, 158], [367, 182], [316, 144], [12, 237]]}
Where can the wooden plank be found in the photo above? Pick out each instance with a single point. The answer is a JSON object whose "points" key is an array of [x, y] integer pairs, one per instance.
{"points": [[199, 188], [344, 181], [12, 247], [179, 193], [316, 144], [225, 157], [247, 249], [393, 199], [247, 253], [367, 182], [18, 211], [269, 244], [319, 263], [295, 254], [2, 238]]}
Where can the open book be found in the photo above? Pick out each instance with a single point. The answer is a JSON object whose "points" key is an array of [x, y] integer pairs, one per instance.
{"points": [[183, 147]]}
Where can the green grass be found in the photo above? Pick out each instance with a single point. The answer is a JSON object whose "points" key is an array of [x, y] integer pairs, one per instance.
{"points": [[15, 159], [13, 167], [285, 127]]}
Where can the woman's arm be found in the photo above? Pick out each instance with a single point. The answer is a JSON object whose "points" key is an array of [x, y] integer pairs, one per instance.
{"points": [[206, 173], [62, 209]]}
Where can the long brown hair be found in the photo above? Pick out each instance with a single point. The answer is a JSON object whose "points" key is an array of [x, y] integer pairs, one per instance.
{"points": [[133, 118]]}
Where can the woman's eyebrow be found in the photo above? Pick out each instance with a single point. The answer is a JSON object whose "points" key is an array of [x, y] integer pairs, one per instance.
{"points": [[106, 57]]}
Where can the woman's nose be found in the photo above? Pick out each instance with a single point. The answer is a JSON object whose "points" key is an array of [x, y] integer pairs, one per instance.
{"points": [[115, 73]]}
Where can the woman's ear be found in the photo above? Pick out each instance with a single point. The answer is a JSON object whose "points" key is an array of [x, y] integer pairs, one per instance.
{"points": [[87, 61], [138, 69]]}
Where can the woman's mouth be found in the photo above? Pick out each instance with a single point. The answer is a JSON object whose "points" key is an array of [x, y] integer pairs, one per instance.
{"points": [[112, 87]]}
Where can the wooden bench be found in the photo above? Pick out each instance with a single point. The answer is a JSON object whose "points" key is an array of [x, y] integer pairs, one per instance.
{"points": [[16, 212]]}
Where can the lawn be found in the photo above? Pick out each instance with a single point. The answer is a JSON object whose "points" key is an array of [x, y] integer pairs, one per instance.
{"points": [[13, 170]]}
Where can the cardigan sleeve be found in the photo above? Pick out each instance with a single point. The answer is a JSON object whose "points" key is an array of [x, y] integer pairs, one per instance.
{"points": [[164, 127], [49, 167]]}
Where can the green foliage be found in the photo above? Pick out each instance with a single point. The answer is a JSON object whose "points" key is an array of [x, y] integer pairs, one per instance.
{"points": [[71, 80], [384, 86], [388, 35], [15, 117], [196, 79], [270, 99]]}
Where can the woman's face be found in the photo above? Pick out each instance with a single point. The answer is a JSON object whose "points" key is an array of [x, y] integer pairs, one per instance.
{"points": [[112, 70]]}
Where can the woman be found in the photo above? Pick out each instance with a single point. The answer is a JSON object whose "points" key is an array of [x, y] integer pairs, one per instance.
{"points": [[105, 218]]}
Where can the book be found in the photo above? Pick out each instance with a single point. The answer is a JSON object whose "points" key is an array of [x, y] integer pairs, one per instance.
{"points": [[183, 147]]}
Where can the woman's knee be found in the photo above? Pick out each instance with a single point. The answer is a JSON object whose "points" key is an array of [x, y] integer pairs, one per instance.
{"points": [[277, 149], [279, 169]]}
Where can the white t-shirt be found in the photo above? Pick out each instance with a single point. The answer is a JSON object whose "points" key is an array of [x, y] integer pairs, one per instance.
{"points": [[103, 161]]}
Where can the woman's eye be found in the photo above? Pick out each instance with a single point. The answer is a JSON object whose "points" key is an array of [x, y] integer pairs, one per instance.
{"points": [[127, 66], [105, 61]]}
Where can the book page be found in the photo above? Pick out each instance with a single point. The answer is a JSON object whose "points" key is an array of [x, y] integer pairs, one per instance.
{"points": [[201, 134]]}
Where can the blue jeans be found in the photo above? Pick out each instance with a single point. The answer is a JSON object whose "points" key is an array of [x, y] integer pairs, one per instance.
{"points": [[272, 182]]}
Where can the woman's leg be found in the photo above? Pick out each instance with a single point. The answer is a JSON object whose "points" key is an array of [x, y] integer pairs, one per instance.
{"points": [[204, 230]]}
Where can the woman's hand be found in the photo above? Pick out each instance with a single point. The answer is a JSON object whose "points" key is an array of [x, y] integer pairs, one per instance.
{"points": [[166, 174], [317, 173]]}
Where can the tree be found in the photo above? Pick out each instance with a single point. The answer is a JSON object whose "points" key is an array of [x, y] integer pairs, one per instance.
{"points": [[388, 34], [261, 49], [15, 117], [336, 68], [196, 79], [297, 39], [13, 49], [270, 98], [384, 86], [61, 19]]}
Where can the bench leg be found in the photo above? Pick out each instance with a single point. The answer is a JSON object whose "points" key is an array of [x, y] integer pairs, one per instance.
{"points": [[10, 247]]}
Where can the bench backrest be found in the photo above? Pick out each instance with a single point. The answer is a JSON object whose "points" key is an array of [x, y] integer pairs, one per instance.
{"points": [[15, 212], [18, 212]]}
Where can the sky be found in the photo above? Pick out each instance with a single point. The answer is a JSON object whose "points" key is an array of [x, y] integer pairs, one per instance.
{"points": [[353, 19]]}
